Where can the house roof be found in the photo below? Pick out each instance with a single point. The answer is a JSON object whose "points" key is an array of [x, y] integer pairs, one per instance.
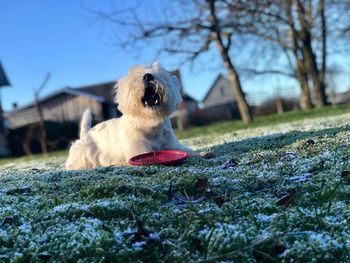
{"points": [[188, 98], [185, 96], [101, 92], [67, 90], [213, 85], [105, 90]]}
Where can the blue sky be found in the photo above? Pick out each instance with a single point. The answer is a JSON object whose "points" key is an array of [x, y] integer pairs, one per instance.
{"points": [[40, 36]]}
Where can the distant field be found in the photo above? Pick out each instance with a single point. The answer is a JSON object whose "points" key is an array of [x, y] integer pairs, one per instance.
{"points": [[226, 127], [35, 157], [275, 193]]}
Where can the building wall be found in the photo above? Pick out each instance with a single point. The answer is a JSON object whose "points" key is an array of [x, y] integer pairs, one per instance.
{"points": [[220, 112], [340, 98], [185, 115], [192, 107], [70, 108], [4, 150], [221, 93], [62, 108]]}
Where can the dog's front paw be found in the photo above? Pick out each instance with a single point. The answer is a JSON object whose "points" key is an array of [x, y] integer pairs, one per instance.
{"points": [[192, 153]]}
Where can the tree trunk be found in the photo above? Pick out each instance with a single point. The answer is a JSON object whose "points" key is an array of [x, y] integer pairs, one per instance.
{"points": [[232, 73], [310, 57], [27, 140], [279, 105], [318, 84], [301, 74], [324, 46], [312, 69], [236, 88], [305, 98], [42, 129]]}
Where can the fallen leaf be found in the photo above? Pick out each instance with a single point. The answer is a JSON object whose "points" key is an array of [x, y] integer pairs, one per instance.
{"points": [[141, 232], [346, 175], [260, 240], [130, 214], [220, 200], [7, 220], [202, 183], [229, 164], [288, 156], [210, 194], [308, 144], [207, 154], [183, 200], [140, 173], [280, 248], [170, 194], [287, 199], [45, 256]]}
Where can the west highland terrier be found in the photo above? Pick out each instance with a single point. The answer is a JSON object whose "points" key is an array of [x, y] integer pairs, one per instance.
{"points": [[146, 97]]}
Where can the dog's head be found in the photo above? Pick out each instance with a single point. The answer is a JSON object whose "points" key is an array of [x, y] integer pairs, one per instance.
{"points": [[148, 91]]}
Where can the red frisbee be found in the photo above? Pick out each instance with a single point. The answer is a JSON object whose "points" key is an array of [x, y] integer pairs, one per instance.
{"points": [[165, 157]]}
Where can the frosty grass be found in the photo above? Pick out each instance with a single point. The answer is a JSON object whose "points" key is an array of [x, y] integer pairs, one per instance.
{"points": [[271, 194]]}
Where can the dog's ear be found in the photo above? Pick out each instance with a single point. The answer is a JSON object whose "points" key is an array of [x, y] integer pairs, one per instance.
{"points": [[176, 82], [115, 90], [176, 92], [116, 87], [155, 66]]}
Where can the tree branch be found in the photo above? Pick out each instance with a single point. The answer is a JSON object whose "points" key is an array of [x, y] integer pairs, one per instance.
{"points": [[43, 84], [267, 72]]}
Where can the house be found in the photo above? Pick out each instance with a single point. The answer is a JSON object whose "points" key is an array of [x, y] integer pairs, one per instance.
{"points": [[275, 105], [340, 97], [188, 109], [186, 114], [68, 105], [219, 103], [4, 151]]}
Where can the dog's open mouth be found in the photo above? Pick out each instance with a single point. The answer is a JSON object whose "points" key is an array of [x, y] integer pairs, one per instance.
{"points": [[151, 98]]}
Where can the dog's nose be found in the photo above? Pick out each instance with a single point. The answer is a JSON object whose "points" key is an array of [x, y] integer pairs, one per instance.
{"points": [[148, 77]]}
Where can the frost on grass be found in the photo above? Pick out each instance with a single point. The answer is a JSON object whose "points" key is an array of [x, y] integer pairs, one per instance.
{"points": [[278, 193]]}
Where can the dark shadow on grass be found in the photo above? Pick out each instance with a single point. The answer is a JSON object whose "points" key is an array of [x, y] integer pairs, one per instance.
{"points": [[274, 141]]}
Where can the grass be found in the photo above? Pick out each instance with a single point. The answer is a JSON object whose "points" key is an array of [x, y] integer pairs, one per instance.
{"points": [[229, 126], [34, 157], [278, 193]]}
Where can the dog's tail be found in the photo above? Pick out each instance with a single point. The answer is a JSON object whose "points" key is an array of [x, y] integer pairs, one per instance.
{"points": [[85, 124]]}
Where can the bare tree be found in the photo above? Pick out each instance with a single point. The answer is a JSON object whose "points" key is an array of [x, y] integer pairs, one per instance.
{"points": [[41, 115], [217, 36], [297, 27], [342, 22], [41, 122], [300, 66], [187, 29], [316, 72]]}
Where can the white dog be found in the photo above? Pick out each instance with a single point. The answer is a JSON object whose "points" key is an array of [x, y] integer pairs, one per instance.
{"points": [[146, 97]]}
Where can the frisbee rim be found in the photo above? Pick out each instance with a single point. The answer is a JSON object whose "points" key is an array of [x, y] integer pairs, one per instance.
{"points": [[179, 157]]}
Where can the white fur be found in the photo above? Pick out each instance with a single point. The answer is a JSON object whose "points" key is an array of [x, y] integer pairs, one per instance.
{"points": [[85, 125], [141, 129]]}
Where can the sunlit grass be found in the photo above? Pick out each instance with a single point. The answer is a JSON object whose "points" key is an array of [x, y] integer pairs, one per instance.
{"points": [[269, 194], [231, 126]]}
